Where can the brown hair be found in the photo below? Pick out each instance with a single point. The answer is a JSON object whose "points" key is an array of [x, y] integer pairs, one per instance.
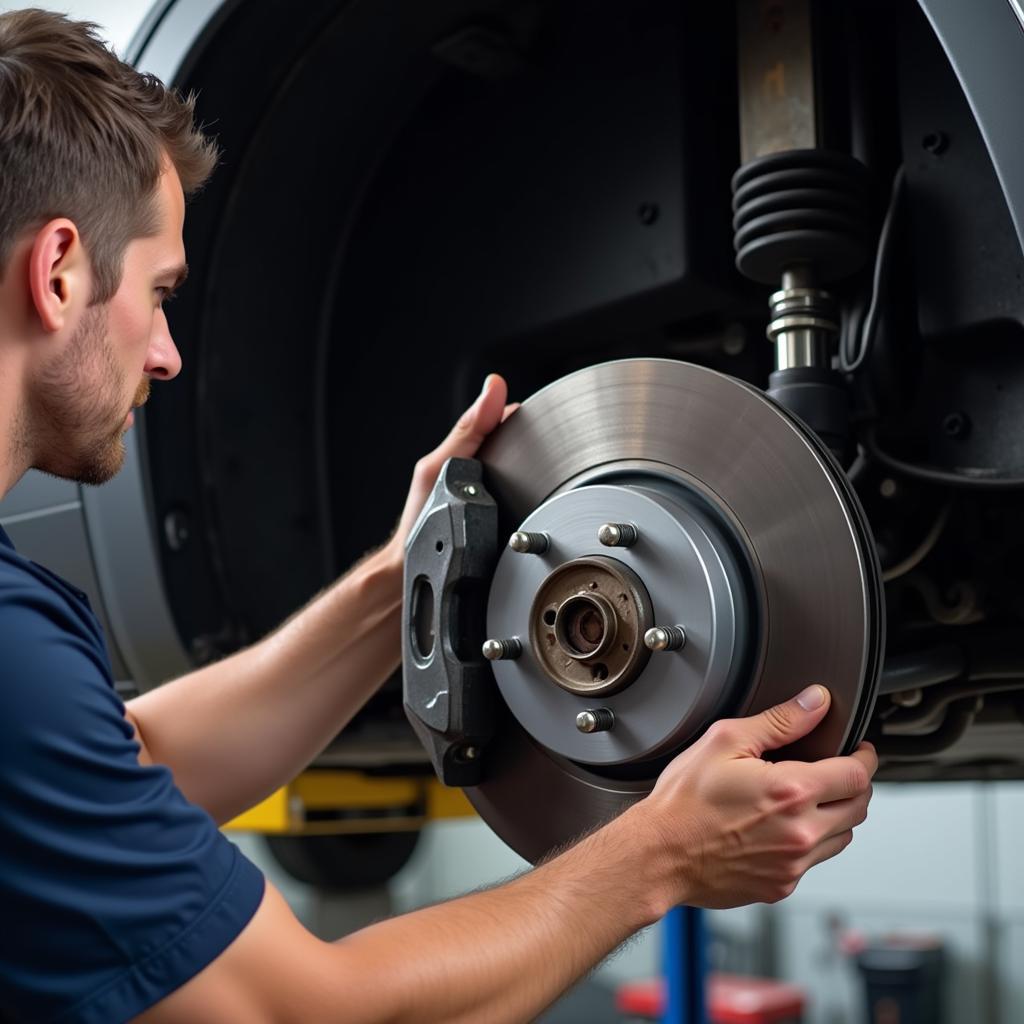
{"points": [[85, 136]]}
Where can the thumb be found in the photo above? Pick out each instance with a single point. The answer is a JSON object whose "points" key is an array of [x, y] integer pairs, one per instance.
{"points": [[785, 723]]}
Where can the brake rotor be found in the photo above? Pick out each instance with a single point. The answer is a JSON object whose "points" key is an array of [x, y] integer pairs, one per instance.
{"points": [[747, 543]]}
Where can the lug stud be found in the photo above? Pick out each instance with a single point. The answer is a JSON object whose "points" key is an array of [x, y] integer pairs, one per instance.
{"points": [[502, 650], [595, 720], [618, 535], [665, 638], [529, 543]]}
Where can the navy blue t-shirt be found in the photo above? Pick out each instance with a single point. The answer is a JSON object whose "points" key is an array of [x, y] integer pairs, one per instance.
{"points": [[114, 889]]}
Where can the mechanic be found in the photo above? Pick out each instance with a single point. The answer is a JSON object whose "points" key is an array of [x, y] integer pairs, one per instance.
{"points": [[119, 897]]}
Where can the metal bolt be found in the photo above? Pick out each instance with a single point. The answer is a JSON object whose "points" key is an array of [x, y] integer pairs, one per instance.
{"points": [[907, 698], [176, 530], [665, 638], [957, 425], [595, 720], [935, 143], [469, 490], [529, 543], [648, 213], [502, 650], [618, 535], [469, 753]]}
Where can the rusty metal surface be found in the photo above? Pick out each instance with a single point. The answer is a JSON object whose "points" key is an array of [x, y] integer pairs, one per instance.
{"points": [[587, 625], [776, 77]]}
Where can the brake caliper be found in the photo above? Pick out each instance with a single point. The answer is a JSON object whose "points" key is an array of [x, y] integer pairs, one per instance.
{"points": [[449, 562]]}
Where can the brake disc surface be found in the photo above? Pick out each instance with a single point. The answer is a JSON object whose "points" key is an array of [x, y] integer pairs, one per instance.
{"points": [[748, 537]]}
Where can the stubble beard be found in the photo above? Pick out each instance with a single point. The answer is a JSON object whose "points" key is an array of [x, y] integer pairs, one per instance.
{"points": [[77, 414]]}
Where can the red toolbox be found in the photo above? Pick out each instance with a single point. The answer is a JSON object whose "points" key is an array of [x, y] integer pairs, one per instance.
{"points": [[732, 999]]}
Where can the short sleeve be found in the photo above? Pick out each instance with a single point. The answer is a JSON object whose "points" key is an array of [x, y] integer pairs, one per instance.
{"points": [[114, 889]]}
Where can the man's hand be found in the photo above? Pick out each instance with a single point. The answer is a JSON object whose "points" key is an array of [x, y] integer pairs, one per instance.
{"points": [[737, 829], [463, 442]]}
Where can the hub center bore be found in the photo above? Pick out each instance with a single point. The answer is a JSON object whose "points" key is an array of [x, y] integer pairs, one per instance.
{"points": [[587, 625]]}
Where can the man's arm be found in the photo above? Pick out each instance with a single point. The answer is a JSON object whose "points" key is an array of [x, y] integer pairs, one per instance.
{"points": [[234, 731], [500, 955], [721, 828]]}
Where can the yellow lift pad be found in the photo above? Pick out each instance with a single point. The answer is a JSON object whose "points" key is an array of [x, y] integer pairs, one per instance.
{"points": [[326, 802]]}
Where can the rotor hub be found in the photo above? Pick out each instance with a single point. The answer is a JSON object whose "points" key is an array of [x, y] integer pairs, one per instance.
{"points": [[587, 613], [587, 623]]}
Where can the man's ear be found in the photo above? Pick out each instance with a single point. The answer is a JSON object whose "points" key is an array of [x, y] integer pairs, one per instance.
{"points": [[59, 273]]}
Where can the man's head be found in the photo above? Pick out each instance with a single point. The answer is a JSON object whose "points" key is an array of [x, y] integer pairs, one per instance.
{"points": [[95, 162]]}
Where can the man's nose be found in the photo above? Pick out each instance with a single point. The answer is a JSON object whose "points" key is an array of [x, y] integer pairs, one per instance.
{"points": [[163, 361]]}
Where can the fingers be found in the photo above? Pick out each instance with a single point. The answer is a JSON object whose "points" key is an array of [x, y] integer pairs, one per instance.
{"points": [[866, 753], [477, 421], [784, 723], [509, 409], [826, 850], [840, 778], [462, 442], [472, 427], [843, 815]]}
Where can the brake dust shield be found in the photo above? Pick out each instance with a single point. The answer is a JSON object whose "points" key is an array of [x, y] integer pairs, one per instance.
{"points": [[748, 537]]}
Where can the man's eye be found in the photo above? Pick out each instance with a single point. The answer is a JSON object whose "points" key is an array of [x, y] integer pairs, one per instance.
{"points": [[164, 294]]}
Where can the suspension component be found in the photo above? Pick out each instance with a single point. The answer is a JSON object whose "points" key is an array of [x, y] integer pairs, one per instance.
{"points": [[803, 324], [800, 213]]}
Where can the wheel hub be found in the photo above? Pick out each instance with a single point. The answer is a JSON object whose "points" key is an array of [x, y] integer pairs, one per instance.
{"points": [[586, 615], [587, 625]]}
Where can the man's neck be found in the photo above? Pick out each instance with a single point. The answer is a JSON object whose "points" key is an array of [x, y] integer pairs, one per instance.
{"points": [[15, 458], [9, 476]]}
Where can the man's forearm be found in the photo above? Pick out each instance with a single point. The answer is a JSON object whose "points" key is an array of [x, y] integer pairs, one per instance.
{"points": [[494, 957], [234, 731], [503, 955]]}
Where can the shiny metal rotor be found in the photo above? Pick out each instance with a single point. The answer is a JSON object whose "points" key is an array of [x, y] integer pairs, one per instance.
{"points": [[761, 483]]}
